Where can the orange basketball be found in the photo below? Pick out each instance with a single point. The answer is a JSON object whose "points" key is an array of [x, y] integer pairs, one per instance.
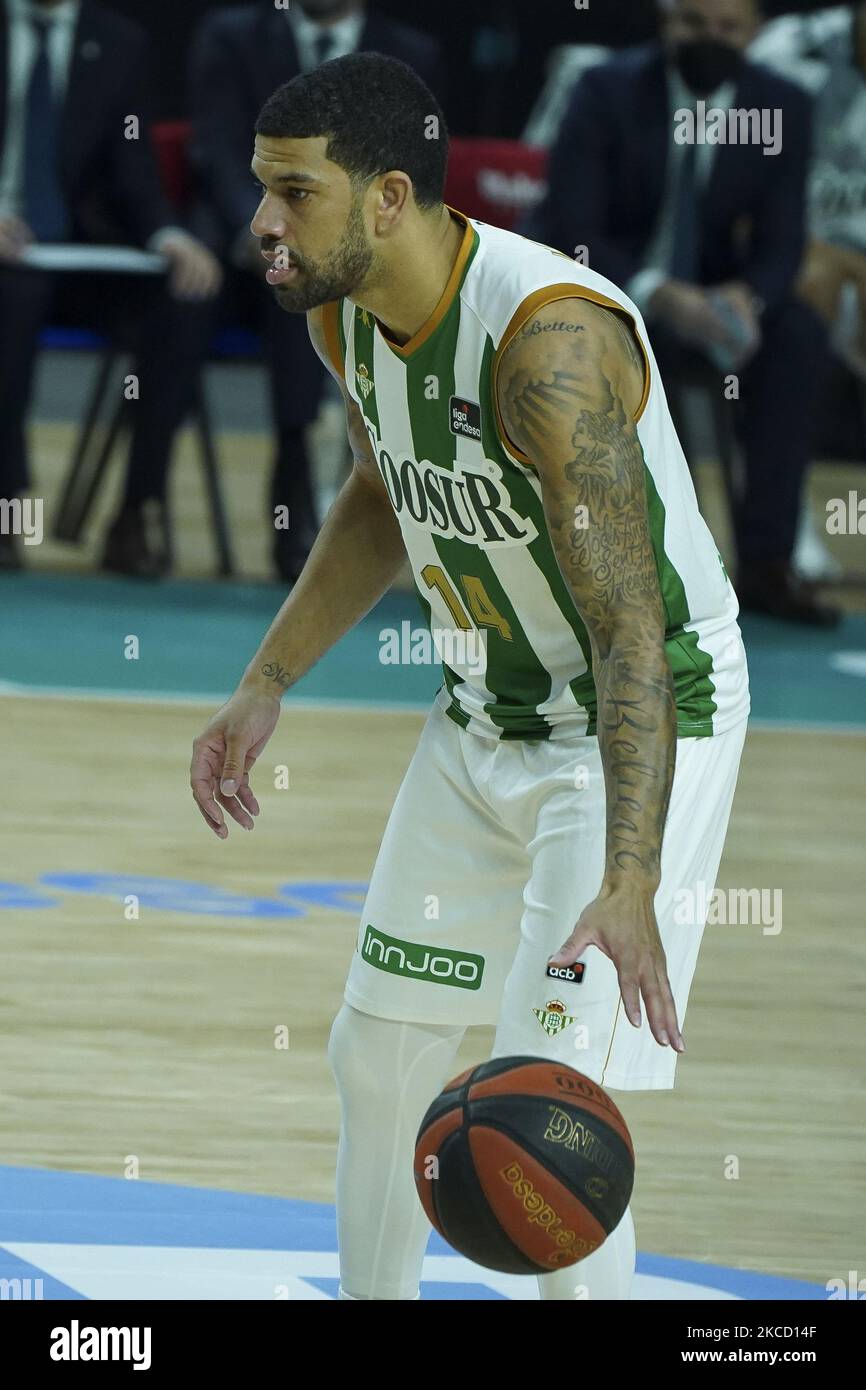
{"points": [[523, 1165]]}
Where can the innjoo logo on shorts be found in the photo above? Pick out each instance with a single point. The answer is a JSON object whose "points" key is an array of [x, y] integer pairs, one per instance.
{"points": [[418, 962]]}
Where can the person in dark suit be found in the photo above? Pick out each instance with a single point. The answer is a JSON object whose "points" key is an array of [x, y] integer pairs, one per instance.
{"points": [[71, 74], [240, 56], [707, 238]]}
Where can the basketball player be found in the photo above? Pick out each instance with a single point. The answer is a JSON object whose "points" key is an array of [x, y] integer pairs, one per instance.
{"points": [[575, 775]]}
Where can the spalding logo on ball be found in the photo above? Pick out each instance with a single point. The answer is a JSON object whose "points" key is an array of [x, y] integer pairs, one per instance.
{"points": [[534, 1165]]}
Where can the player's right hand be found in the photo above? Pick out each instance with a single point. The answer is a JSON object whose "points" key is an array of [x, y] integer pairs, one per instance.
{"points": [[15, 237], [223, 755], [194, 271]]}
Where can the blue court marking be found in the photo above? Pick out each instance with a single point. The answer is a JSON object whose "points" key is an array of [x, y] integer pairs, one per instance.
{"points": [[228, 342], [48, 1207], [182, 895], [429, 1291], [30, 1275], [745, 1283]]}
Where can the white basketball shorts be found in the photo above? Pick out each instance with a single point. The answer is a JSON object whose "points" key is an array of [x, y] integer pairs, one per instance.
{"points": [[491, 853]]}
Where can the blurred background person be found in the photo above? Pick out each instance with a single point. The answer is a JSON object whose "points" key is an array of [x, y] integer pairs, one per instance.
{"points": [[240, 56], [826, 53], [71, 73], [708, 239], [509, 46]]}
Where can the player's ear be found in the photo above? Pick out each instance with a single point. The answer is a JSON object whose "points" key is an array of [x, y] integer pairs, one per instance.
{"points": [[393, 197]]}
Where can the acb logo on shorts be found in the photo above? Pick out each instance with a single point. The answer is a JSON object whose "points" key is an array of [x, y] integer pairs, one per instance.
{"points": [[572, 973]]}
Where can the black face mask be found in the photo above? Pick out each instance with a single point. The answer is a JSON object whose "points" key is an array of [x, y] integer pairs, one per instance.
{"points": [[704, 64]]}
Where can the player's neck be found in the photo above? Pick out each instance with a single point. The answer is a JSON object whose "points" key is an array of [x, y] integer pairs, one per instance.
{"points": [[407, 295]]}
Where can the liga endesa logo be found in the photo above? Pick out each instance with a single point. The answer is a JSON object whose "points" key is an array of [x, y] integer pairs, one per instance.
{"points": [[568, 1246]]}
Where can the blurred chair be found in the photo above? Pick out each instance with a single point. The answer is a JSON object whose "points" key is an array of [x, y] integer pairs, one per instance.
{"points": [[705, 382], [92, 454], [171, 141], [564, 66], [495, 181]]}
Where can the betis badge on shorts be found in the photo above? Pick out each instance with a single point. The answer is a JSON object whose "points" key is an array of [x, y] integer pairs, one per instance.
{"points": [[553, 1017]]}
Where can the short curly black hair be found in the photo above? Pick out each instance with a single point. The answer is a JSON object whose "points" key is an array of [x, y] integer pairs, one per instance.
{"points": [[377, 114]]}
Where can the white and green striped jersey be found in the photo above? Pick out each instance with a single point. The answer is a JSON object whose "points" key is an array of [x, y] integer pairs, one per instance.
{"points": [[469, 505]]}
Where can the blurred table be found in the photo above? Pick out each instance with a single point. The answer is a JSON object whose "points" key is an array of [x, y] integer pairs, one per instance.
{"points": [[88, 466], [105, 260]]}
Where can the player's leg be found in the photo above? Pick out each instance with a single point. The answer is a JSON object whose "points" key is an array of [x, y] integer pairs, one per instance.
{"points": [[387, 1074], [586, 1027], [437, 936], [606, 1274]]}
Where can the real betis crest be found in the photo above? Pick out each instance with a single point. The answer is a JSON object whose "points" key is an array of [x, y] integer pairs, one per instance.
{"points": [[365, 384], [553, 1017]]}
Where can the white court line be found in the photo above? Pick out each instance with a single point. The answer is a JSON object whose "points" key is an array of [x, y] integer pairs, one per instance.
{"points": [[168, 697]]}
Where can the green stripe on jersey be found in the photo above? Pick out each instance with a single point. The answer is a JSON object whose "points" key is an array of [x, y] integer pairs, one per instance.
{"points": [[517, 681], [363, 335], [690, 666], [525, 500]]}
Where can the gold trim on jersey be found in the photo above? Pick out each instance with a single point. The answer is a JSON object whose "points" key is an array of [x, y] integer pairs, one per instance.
{"points": [[331, 330], [448, 294], [549, 294], [612, 1036]]}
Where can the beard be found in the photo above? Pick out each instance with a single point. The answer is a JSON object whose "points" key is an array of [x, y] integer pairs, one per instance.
{"points": [[340, 275]]}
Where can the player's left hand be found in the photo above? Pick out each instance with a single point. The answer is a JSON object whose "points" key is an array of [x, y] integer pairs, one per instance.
{"points": [[622, 923]]}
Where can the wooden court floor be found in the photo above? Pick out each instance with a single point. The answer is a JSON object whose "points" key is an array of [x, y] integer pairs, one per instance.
{"points": [[155, 1038]]}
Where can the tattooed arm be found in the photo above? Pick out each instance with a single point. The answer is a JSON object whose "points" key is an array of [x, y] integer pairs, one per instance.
{"points": [[569, 386]]}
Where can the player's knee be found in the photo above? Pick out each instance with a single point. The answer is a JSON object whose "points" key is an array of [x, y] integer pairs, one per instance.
{"points": [[352, 1058], [338, 1042]]}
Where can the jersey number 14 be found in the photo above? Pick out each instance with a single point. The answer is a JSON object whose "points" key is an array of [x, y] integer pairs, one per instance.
{"points": [[479, 602]]}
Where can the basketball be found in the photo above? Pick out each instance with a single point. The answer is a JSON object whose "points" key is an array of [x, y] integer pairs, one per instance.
{"points": [[524, 1166]]}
